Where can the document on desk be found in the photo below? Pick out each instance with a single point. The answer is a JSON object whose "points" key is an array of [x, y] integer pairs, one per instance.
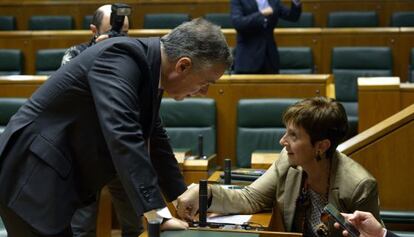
{"points": [[230, 219]]}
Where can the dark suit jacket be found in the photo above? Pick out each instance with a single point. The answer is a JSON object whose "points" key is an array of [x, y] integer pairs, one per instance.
{"points": [[93, 119], [255, 41]]}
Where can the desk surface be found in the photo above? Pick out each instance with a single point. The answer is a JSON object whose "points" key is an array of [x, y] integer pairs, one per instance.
{"points": [[197, 233]]}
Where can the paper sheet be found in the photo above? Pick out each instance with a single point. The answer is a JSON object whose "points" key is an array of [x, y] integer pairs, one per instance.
{"points": [[231, 219]]}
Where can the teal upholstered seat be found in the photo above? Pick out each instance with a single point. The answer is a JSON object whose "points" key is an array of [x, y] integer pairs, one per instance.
{"points": [[305, 20], [164, 20], [7, 23], [296, 60], [349, 63], [87, 20], [51, 23], [402, 19], [11, 62], [186, 120], [220, 19], [8, 107], [48, 60], [259, 126], [353, 19]]}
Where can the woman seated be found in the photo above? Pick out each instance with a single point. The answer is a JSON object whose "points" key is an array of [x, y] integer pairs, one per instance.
{"points": [[309, 174]]}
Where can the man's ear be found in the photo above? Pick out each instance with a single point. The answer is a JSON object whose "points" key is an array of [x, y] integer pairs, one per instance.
{"points": [[183, 65], [93, 29]]}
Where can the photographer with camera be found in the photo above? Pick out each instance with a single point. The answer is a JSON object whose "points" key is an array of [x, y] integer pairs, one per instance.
{"points": [[108, 21]]}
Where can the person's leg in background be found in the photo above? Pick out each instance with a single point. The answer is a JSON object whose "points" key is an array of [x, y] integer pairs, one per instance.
{"points": [[130, 222], [84, 221]]}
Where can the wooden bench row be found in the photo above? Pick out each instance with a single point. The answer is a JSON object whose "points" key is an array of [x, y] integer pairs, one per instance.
{"points": [[23, 10], [226, 92], [321, 40]]}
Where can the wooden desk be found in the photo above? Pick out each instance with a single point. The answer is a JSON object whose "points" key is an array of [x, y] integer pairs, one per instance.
{"points": [[263, 160], [222, 233], [196, 169]]}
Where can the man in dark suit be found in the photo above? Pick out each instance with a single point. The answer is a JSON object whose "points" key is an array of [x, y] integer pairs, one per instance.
{"points": [[84, 220], [254, 20], [97, 118]]}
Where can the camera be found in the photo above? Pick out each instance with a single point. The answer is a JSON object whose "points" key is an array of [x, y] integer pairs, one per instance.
{"points": [[118, 13]]}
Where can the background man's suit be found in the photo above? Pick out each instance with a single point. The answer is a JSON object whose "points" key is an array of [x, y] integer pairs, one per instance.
{"points": [[95, 118], [256, 50]]}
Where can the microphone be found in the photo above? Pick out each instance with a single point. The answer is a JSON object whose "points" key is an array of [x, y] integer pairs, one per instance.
{"points": [[202, 205], [227, 171], [153, 228], [200, 147]]}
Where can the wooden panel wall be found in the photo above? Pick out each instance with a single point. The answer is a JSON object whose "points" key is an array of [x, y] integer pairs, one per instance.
{"points": [[196, 8]]}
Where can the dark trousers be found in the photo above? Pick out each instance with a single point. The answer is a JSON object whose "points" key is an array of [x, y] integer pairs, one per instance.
{"points": [[16, 227], [84, 220]]}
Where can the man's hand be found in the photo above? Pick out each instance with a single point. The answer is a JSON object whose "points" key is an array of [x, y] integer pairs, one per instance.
{"points": [[174, 224], [101, 37], [267, 11], [365, 223], [187, 203]]}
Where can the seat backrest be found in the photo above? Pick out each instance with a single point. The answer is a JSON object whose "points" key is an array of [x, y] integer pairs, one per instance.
{"points": [[11, 62], [411, 69], [305, 20], [353, 19], [402, 19], [220, 19], [48, 60], [164, 20], [87, 20], [259, 126], [8, 107], [51, 23], [296, 60], [186, 120], [7, 23], [349, 63]]}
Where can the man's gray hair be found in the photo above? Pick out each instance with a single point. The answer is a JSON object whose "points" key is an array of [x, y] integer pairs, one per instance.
{"points": [[199, 40]]}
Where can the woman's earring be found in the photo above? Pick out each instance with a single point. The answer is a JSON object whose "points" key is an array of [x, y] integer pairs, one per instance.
{"points": [[318, 156]]}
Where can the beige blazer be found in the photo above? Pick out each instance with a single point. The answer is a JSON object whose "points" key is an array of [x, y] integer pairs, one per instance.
{"points": [[351, 188]]}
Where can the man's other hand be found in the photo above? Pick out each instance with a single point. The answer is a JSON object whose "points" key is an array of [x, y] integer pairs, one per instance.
{"points": [[174, 224], [187, 203]]}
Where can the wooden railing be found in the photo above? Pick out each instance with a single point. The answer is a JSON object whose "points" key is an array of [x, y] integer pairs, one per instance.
{"points": [[385, 150]]}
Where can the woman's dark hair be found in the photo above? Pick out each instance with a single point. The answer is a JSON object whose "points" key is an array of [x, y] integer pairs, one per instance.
{"points": [[322, 118]]}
